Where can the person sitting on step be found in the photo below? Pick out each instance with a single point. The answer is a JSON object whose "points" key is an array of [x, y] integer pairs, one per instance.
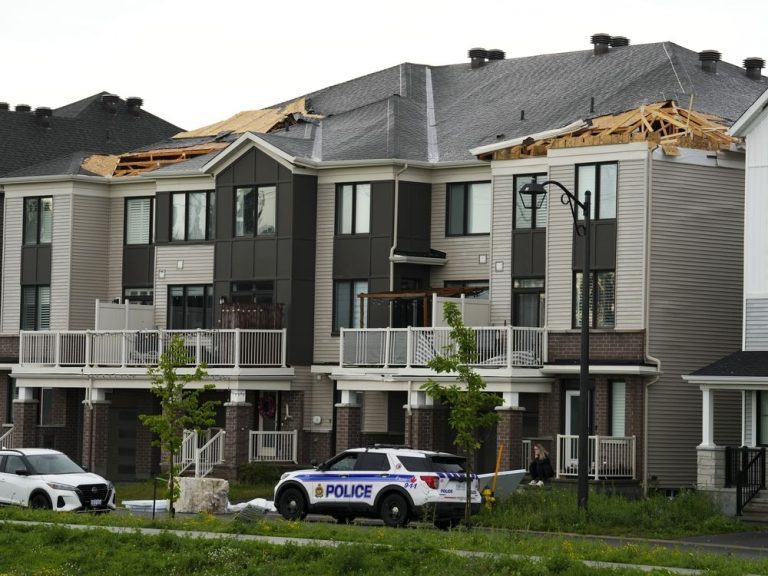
{"points": [[540, 467]]}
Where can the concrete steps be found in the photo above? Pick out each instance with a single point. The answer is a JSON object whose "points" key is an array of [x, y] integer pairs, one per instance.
{"points": [[757, 509]]}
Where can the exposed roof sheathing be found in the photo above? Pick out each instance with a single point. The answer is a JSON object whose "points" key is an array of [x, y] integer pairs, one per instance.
{"points": [[138, 162], [261, 121], [662, 124]]}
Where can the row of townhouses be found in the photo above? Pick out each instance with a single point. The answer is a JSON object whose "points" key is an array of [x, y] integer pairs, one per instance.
{"points": [[305, 251]]}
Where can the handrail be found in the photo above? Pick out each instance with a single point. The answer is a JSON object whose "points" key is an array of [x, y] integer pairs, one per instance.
{"points": [[273, 446], [185, 457], [745, 468], [209, 455], [4, 439]]}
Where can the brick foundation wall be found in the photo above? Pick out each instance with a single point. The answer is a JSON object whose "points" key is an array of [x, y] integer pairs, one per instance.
{"points": [[25, 418], [317, 446], [509, 432], [606, 345], [348, 423], [239, 420], [9, 349], [95, 445]]}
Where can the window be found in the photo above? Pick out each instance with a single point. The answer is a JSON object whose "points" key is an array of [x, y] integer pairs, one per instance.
{"points": [[138, 220], [35, 307], [46, 406], [139, 295], [346, 304], [255, 211], [193, 216], [618, 408], [602, 181], [190, 307], [535, 216], [260, 292], [38, 220], [528, 302], [602, 287], [353, 209], [469, 209], [12, 394], [762, 418], [344, 463]]}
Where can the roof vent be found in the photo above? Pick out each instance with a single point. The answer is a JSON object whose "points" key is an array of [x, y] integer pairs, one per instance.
{"points": [[4, 106], [478, 56], [601, 42], [709, 60], [43, 116], [134, 104], [494, 54], [753, 66], [109, 101], [617, 41], [23, 108]]}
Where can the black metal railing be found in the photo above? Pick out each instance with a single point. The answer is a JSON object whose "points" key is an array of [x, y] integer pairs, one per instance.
{"points": [[745, 469]]}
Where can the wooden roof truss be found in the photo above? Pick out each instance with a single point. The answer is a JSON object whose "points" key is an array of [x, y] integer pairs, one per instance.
{"points": [[662, 124]]}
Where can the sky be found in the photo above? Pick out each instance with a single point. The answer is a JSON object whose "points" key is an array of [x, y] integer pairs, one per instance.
{"points": [[197, 62]]}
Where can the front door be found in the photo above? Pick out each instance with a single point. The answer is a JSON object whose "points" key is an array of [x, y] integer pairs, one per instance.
{"points": [[572, 419]]}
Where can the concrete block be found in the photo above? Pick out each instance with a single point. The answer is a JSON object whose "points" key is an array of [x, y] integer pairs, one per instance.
{"points": [[203, 495]]}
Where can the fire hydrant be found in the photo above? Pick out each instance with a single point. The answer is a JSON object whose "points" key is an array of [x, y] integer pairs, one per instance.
{"points": [[488, 498]]}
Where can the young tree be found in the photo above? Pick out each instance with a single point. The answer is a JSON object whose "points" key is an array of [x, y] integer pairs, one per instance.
{"points": [[180, 407], [470, 408]]}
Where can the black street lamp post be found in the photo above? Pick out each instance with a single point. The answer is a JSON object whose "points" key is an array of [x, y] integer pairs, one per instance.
{"points": [[533, 189]]}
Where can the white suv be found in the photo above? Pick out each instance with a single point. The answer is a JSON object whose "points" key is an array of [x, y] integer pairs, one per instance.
{"points": [[41, 478], [392, 483]]}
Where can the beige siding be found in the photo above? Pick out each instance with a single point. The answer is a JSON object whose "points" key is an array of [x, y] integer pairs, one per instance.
{"points": [[695, 302], [630, 244], [13, 229], [559, 254], [501, 249], [318, 401], [90, 259], [197, 262], [375, 407], [61, 262], [115, 236], [326, 346]]}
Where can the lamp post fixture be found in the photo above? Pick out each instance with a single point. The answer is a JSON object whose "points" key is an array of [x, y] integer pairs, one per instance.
{"points": [[533, 189]]}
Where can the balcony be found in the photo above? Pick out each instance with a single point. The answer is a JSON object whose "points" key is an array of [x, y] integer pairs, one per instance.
{"points": [[497, 346], [122, 349]]}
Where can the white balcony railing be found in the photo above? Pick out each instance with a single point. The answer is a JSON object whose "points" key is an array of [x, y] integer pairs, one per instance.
{"points": [[609, 456], [142, 348], [497, 346], [6, 438], [273, 446]]}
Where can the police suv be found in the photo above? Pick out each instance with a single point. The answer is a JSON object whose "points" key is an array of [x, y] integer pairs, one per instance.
{"points": [[395, 484]]}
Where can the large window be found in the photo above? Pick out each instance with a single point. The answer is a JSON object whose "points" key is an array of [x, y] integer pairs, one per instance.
{"points": [[38, 220], [469, 209], [353, 209], [602, 181], [255, 211], [534, 216], [260, 292], [138, 220], [190, 307], [193, 216], [602, 313], [346, 304], [528, 302], [35, 307]]}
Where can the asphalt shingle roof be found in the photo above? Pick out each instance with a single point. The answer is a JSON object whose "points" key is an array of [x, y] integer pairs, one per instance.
{"points": [[82, 125], [745, 364]]}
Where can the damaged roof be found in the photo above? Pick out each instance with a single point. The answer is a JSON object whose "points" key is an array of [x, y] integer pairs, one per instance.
{"points": [[436, 114]]}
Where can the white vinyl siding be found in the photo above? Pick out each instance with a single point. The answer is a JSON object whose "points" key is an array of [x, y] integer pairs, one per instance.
{"points": [[12, 265], [559, 277], [196, 269], [756, 324], [375, 409], [756, 210], [90, 259], [115, 257], [61, 262], [501, 249], [630, 245], [326, 346]]}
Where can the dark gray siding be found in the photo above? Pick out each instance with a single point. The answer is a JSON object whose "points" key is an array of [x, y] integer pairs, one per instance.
{"points": [[695, 303]]}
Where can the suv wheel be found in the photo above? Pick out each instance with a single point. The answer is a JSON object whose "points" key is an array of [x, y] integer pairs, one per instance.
{"points": [[40, 500], [292, 504], [394, 510]]}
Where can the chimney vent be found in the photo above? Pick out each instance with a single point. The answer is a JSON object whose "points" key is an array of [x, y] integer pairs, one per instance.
{"points": [[478, 56], [4, 106], [617, 41], [709, 60], [495, 54], [43, 116], [23, 108], [134, 104], [753, 66], [601, 42], [109, 101]]}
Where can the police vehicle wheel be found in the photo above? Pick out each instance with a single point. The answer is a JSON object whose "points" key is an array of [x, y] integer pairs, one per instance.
{"points": [[292, 504], [394, 510], [343, 518]]}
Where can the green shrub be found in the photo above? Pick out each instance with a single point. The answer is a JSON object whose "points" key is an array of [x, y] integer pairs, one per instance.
{"points": [[259, 473]]}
